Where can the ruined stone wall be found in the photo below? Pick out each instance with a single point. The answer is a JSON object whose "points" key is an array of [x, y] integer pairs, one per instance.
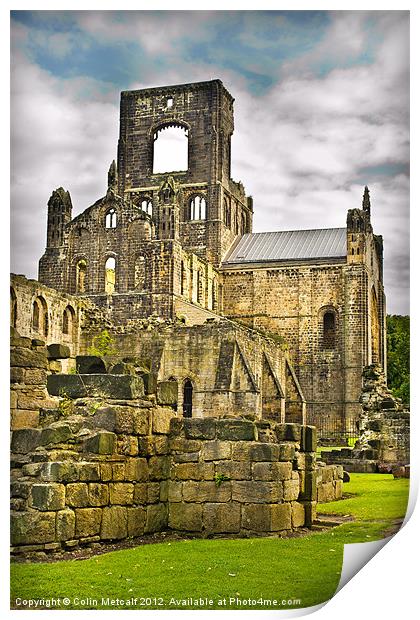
{"points": [[103, 461], [290, 302], [233, 370], [52, 305]]}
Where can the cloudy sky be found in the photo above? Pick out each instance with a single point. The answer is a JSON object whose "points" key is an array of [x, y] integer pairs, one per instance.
{"points": [[321, 109]]}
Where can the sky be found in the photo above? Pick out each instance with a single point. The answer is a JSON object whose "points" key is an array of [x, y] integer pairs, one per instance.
{"points": [[321, 110]]}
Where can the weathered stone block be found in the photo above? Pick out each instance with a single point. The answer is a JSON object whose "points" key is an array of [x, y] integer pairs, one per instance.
{"points": [[164, 490], [159, 467], [34, 376], [114, 523], [23, 418], [98, 494], [281, 517], [175, 491], [118, 471], [25, 440], [88, 521], [206, 491], [257, 492], [167, 393], [136, 520], [141, 421], [121, 493], [27, 358], [32, 527], [153, 492], [256, 518], [60, 472], [65, 524], [185, 517], [186, 457], [58, 351], [298, 515], [77, 494], [199, 428], [47, 496], [287, 451], [235, 470], [90, 364], [288, 432], [291, 489], [161, 419], [57, 433], [193, 471], [264, 452], [20, 489], [90, 472], [241, 451], [216, 450], [179, 444], [219, 518], [106, 471], [272, 471], [102, 442], [140, 493], [310, 513], [236, 430], [136, 470], [156, 518], [305, 460], [120, 387]]}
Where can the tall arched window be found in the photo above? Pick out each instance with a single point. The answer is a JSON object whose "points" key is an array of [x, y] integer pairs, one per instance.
{"points": [[197, 208], [188, 399], [110, 275], [226, 212], [40, 316], [68, 321], [13, 307], [139, 273], [329, 330], [81, 272], [111, 218], [147, 206], [170, 149]]}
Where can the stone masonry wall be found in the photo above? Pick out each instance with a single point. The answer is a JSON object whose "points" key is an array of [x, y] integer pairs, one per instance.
{"points": [[103, 461]]}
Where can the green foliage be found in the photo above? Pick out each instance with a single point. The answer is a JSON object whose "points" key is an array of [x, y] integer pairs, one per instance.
{"points": [[103, 344], [66, 404], [398, 356], [224, 568], [219, 478]]}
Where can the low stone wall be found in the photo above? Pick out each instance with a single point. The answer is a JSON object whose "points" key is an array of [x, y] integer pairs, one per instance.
{"points": [[103, 457], [329, 483], [239, 477]]}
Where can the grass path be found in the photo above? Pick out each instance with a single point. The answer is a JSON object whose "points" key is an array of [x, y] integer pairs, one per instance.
{"points": [[300, 571]]}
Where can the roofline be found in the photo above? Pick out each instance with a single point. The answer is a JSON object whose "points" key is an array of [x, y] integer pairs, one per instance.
{"points": [[168, 88], [269, 232], [287, 262]]}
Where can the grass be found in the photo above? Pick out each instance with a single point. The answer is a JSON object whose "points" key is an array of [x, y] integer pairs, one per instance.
{"points": [[166, 574]]}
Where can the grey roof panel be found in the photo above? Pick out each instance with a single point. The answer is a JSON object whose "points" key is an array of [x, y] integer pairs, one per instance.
{"points": [[289, 245]]}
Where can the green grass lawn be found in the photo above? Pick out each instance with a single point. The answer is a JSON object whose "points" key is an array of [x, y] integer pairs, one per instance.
{"points": [[299, 571]]}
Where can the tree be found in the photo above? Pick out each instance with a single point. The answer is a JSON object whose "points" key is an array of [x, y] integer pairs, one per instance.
{"points": [[398, 356]]}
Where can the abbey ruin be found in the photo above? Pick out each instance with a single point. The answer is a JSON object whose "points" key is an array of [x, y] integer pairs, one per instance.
{"points": [[226, 347]]}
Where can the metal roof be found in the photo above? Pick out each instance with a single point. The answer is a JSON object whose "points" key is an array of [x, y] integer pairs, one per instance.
{"points": [[289, 245]]}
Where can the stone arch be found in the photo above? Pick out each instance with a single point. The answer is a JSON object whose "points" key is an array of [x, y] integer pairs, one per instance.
{"points": [[170, 147], [328, 328], [81, 275], [139, 272], [68, 322], [40, 316], [110, 274], [187, 400], [13, 307]]}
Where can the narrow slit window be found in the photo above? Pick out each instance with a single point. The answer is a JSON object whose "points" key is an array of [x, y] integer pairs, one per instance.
{"points": [[110, 275], [329, 331]]}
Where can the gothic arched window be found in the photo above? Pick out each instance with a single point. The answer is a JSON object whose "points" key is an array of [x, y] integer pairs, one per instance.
{"points": [[197, 208], [81, 272], [329, 330], [111, 218], [147, 206]]}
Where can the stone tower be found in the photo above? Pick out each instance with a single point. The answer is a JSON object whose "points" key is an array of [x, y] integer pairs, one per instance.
{"points": [[213, 209], [59, 215]]}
